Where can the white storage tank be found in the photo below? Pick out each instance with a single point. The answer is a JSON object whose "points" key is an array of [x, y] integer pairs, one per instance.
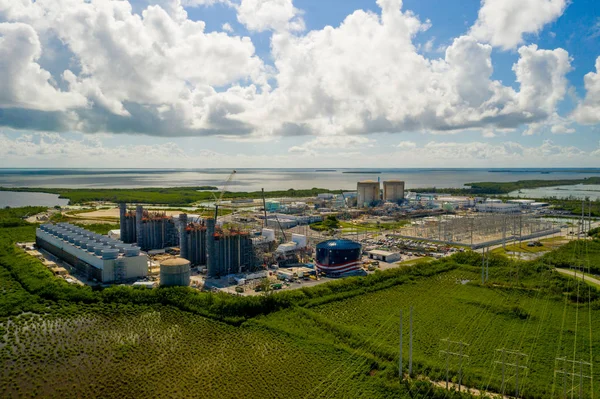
{"points": [[368, 193], [175, 272]]}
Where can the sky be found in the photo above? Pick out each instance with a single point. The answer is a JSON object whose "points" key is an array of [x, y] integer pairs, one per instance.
{"points": [[299, 83]]}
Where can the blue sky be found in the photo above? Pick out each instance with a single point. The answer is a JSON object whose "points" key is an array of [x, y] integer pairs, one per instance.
{"points": [[289, 83]]}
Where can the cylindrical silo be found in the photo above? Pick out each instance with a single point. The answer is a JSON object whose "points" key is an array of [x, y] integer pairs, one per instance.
{"points": [[393, 190], [175, 272], [367, 193], [183, 236]]}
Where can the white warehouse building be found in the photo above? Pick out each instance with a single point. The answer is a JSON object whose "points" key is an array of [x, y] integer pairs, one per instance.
{"points": [[99, 257]]}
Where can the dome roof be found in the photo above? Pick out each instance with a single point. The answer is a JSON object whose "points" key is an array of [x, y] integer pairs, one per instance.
{"points": [[338, 244]]}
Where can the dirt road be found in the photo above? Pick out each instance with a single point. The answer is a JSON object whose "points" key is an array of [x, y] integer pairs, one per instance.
{"points": [[578, 275]]}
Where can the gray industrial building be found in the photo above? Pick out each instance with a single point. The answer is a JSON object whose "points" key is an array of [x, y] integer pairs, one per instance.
{"points": [[228, 251], [192, 240], [150, 230], [368, 193], [96, 256], [200, 241]]}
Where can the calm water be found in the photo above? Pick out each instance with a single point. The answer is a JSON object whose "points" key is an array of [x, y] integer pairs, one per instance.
{"points": [[591, 191], [16, 199], [272, 179]]}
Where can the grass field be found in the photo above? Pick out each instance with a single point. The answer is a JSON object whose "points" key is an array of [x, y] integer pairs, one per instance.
{"points": [[336, 340], [416, 261]]}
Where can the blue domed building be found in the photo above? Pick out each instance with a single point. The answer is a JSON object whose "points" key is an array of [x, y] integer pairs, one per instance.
{"points": [[337, 258]]}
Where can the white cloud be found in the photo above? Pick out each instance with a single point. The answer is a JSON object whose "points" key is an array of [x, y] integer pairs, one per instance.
{"points": [[588, 110], [504, 22], [473, 154], [227, 27], [160, 73], [555, 124], [406, 144], [23, 83], [261, 15], [56, 150], [331, 143]]}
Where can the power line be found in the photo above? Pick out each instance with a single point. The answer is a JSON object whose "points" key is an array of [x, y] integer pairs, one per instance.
{"points": [[573, 374], [517, 355], [459, 354]]}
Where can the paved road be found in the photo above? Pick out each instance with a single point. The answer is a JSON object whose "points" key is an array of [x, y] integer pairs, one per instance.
{"points": [[575, 274]]}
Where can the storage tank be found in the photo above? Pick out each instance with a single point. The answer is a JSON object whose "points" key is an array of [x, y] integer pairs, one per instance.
{"points": [[175, 272], [338, 257], [393, 190], [367, 193]]}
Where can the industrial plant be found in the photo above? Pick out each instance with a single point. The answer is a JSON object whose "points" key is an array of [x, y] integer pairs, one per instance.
{"points": [[98, 257], [331, 235]]}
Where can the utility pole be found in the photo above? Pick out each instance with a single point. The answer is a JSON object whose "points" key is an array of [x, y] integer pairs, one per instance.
{"points": [[573, 374], [449, 353], [410, 343], [517, 356], [400, 361], [482, 265], [487, 266]]}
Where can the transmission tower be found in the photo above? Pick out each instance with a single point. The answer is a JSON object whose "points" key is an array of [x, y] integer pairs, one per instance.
{"points": [[563, 370], [449, 353], [517, 356]]}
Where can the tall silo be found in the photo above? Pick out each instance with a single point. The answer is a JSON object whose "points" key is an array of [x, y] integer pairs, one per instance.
{"points": [[183, 242], [393, 190], [175, 272], [367, 193]]}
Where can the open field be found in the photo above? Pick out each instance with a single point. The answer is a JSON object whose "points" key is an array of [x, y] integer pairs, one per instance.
{"points": [[416, 261], [334, 340]]}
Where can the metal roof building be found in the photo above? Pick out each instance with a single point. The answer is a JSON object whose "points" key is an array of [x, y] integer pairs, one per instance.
{"points": [[98, 257]]}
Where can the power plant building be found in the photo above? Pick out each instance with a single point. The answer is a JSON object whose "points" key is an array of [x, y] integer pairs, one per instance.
{"points": [[229, 252], [192, 241], [368, 193], [175, 272], [150, 230], [98, 257], [393, 190]]}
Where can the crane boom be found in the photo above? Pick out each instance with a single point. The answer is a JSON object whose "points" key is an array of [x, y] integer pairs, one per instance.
{"points": [[218, 202]]}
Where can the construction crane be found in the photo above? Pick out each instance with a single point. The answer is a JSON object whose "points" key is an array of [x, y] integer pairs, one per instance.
{"points": [[218, 200]]}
